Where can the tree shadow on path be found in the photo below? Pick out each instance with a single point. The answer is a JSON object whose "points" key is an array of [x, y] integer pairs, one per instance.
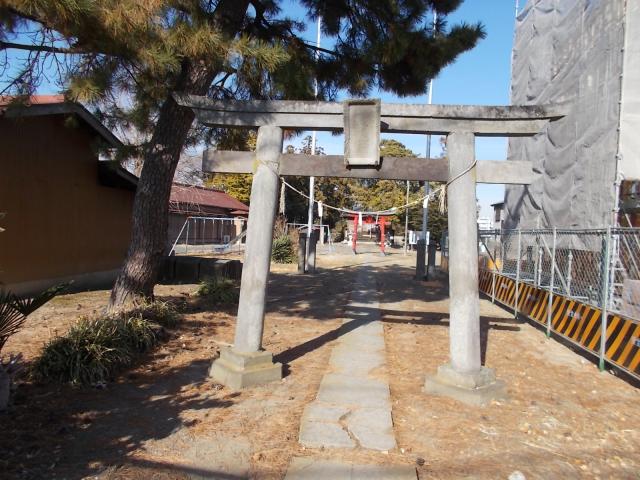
{"points": [[76, 432]]}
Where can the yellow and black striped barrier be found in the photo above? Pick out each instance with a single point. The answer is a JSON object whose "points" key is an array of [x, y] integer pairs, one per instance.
{"points": [[578, 322]]}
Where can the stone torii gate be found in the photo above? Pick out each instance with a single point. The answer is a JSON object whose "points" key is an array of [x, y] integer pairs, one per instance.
{"points": [[246, 363]]}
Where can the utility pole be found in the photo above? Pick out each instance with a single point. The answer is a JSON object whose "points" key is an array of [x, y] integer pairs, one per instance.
{"points": [[427, 189], [312, 180]]}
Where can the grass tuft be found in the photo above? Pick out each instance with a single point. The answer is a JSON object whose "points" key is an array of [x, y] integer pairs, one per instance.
{"points": [[283, 250], [96, 348], [162, 313], [219, 292]]}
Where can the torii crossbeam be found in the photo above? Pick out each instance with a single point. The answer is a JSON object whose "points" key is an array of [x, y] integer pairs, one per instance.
{"points": [[464, 377]]}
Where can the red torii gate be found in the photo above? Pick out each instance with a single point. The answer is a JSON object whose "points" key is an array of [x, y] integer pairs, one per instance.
{"points": [[369, 218]]}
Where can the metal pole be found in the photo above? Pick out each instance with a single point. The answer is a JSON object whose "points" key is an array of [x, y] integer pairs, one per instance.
{"points": [[406, 221], [493, 270], [551, 283], [605, 299], [502, 252], [312, 180], [539, 267], [186, 245], [517, 295], [427, 188], [569, 268]]}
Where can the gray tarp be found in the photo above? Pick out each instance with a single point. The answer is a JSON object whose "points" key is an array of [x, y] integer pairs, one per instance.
{"points": [[571, 51], [630, 118]]}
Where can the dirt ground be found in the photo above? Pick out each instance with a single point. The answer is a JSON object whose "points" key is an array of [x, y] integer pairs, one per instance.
{"points": [[165, 420], [564, 418]]}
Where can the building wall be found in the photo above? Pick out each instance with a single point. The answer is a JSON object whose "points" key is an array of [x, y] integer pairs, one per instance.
{"points": [[60, 222]]}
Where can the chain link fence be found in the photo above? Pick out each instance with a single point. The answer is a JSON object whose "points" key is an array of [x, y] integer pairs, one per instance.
{"points": [[583, 284], [599, 267]]}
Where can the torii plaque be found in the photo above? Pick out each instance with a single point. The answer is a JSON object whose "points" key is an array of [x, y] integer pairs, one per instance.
{"points": [[465, 378]]}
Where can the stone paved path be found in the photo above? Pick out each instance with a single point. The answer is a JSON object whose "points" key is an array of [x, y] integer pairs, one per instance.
{"points": [[305, 468], [353, 406]]}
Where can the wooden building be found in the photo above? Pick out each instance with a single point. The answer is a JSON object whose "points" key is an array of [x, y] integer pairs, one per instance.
{"points": [[67, 212], [215, 217]]}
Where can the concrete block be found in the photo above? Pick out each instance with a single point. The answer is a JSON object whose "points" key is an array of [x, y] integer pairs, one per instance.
{"points": [[208, 268], [311, 263], [167, 269], [421, 253], [238, 370], [236, 269], [476, 389], [302, 251], [187, 269]]}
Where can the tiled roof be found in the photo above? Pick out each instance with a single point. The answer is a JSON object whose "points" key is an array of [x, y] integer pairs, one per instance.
{"points": [[195, 196], [34, 100]]}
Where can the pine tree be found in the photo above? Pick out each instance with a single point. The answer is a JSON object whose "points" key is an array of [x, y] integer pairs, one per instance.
{"points": [[127, 58]]}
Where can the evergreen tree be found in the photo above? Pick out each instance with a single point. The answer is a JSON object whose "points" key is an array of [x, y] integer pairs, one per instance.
{"points": [[127, 57]]}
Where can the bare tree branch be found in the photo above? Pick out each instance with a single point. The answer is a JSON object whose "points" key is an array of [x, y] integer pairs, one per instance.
{"points": [[39, 48]]}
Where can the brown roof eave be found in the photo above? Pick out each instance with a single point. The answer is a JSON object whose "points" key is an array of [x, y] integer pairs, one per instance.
{"points": [[64, 109]]}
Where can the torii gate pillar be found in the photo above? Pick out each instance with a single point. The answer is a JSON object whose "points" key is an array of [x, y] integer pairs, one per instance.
{"points": [[464, 378], [246, 364]]}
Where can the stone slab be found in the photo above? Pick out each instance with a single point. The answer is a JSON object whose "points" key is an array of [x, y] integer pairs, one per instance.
{"points": [[308, 468], [372, 428], [324, 435], [342, 389], [320, 412], [345, 359]]}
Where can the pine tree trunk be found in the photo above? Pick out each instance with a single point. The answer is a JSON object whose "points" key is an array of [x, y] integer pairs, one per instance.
{"points": [[151, 204]]}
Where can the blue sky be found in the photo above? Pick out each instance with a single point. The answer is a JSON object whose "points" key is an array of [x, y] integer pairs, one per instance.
{"points": [[479, 77]]}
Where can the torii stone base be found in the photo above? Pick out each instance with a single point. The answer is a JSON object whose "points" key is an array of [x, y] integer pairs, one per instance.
{"points": [[242, 370], [477, 388]]}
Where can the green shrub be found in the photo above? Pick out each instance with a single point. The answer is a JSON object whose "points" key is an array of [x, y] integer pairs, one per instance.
{"points": [[282, 250], [96, 348], [219, 292]]}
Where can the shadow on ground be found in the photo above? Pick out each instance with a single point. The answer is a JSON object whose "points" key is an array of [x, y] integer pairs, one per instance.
{"points": [[78, 432], [98, 427]]}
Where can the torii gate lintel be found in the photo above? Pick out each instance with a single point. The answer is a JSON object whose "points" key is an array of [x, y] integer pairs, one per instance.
{"points": [[464, 378]]}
